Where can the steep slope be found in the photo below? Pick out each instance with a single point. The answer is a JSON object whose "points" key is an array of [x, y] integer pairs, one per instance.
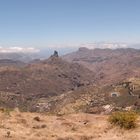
{"points": [[110, 66], [95, 99], [22, 86]]}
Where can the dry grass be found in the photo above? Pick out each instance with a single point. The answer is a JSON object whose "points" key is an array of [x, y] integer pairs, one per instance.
{"points": [[33, 126]]}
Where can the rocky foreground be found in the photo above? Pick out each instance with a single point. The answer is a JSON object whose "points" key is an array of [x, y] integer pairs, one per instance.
{"points": [[33, 126]]}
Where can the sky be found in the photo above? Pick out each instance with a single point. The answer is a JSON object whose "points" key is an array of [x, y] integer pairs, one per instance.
{"points": [[44, 23]]}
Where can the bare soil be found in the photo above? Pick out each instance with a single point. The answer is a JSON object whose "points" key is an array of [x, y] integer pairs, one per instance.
{"points": [[33, 126]]}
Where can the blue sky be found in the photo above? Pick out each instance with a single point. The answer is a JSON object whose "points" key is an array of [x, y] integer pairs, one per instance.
{"points": [[41, 22]]}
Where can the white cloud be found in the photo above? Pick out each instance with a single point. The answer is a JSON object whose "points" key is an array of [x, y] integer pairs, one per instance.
{"points": [[65, 45], [104, 45], [101, 45], [18, 50]]}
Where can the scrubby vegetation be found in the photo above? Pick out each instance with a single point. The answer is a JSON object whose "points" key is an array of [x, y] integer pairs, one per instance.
{"points": [[125, 120]]}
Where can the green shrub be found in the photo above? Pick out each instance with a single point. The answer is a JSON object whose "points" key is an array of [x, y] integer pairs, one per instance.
{"points": [[7, 111], [125, 120]]}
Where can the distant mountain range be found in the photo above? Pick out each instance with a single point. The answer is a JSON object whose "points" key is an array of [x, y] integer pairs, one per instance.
{"points": [[81, 81], [109, 66], [29, 54]]}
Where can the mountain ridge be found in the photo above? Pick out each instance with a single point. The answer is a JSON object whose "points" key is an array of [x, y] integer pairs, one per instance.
{"points": [[108, 64]]}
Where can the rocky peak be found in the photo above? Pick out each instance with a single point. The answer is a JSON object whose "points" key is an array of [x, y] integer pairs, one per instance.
{"points": [[55, 54]]}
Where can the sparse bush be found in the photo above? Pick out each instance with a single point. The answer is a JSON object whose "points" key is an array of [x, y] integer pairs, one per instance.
{"points": [[86, 138], [67, 138], [37, 119], [43, 126], [74, 128], [7, 111], [125, 120], [8, 134]]}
